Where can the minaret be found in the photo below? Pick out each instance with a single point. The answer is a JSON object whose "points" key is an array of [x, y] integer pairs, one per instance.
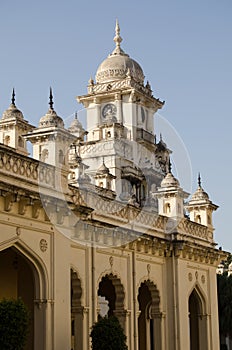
{"points": [[171, 197], [51, 141], [77, 129], [200, 207], [120, 110], [77, 173], [13, 126], [103, 177]]}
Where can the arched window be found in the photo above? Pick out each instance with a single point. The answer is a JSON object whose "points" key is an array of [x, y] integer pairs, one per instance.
{"points": [[197, 322], [76, 312], [7, 140], [44, 155], [20, 141], [167, 208], [61, 157], [198, 219], [149, 321], [112, 290]]}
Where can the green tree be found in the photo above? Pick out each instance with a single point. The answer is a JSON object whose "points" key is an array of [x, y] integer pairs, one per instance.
{"points": [[14, 322], [107, 334], [227, 262], [225, 304], [224, 286]]}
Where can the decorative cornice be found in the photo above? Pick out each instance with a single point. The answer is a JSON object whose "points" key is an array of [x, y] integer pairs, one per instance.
{"points": [[31, 178]]}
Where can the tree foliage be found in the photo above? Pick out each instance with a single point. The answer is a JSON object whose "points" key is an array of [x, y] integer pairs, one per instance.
{"points": [[14, 322], [107, 334], [227, 262], [224, 286], [225, 304]]}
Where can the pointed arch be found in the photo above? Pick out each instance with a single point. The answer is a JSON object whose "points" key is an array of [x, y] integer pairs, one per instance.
{"points": [[197, 320], [36, 263], [149, 320], [76, 311], [27, 268], [201, 295]]}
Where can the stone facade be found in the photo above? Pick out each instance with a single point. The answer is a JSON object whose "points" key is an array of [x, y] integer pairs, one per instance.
{"points": [[96, 223]]}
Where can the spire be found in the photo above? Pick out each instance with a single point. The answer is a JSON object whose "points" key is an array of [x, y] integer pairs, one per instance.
{"points": [[199, 180], [169, 166], [51, 99], [91, 81], [76, 115], [117, 39], [13, 97]]}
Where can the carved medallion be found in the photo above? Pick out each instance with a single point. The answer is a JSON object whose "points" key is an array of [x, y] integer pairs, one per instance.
{"points": [[203, 279], [43, 245]]}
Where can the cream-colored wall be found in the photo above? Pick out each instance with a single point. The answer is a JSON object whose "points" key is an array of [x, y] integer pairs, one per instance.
{"points": [[61, 292], [132, 264], [202, 277]]}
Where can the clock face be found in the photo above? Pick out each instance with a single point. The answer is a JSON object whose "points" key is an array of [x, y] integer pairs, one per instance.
{"points": [[109, 111]]}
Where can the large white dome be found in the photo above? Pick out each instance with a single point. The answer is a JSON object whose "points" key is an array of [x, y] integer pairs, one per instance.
{"points": [[118, 64]]}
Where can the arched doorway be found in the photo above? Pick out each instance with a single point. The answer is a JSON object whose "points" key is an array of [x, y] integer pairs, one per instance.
{"points": [[197, 322], [112, 290], [20, 279], [76, 312], [149, 321]]}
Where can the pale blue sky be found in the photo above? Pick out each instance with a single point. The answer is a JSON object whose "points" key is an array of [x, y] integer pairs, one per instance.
{"points": [[184, 48]]}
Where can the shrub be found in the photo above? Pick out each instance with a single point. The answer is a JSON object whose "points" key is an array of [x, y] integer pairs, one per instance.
{"points": [[14, 322], [107, 334]]}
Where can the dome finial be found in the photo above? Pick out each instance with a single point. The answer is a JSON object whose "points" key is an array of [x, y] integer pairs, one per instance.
{"points": [[51, 99], [13, 97], [199, 179], [117, 39]]}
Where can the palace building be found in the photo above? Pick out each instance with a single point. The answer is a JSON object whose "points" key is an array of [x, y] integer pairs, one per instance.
{"points": [[94, 223]]}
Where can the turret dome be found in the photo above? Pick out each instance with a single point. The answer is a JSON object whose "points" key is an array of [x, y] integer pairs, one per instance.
{"points": [[12, 112], [118, 65], [51, 119], [103, 170], [200, 194], [76, 126], [170, 181]]}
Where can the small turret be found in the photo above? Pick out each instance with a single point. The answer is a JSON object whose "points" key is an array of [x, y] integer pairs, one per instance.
{"points": [[103, 177], [77, 129], [171, 197], [51, 143], [13, 126], [51, 140], [200, 207]]}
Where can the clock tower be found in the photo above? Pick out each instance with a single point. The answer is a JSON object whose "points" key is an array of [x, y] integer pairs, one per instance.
{"points": [[120, 123]]}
